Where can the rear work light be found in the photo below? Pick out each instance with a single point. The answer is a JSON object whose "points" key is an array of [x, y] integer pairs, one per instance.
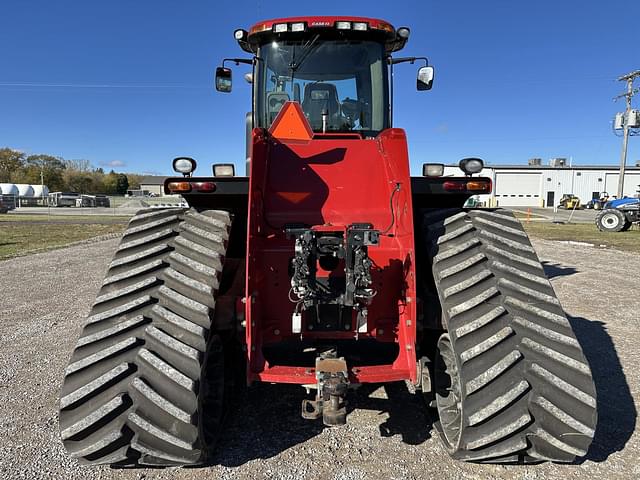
{"points": [[360, 26], [184, 165], [343, 25], [179, 187], [471, 165], [223, 170], [432, 169]]}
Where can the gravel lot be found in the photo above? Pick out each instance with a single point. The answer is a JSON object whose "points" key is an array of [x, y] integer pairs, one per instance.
{"points": [[45, 297]]}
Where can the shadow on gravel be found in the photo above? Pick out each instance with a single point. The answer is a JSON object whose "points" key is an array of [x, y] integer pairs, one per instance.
{"points": [[270, 422], [267, 423], [407, 412], [616, 411], [553, 270]]}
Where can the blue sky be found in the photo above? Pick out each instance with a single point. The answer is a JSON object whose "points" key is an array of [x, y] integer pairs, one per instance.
{"points": [[129, 83]]}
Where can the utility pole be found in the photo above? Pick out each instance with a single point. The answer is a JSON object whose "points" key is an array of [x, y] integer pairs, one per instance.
{"points": [[629, 78]]}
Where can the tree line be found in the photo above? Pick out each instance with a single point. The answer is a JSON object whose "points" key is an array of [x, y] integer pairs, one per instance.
{"points": [[62, 175]]}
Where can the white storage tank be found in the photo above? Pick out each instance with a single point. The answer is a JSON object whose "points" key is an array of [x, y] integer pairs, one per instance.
{"points": [[40, 190], [24, 190], [8, 189]]}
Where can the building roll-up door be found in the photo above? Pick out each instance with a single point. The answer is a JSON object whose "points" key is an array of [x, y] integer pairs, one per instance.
{"points": [[518, 189]]}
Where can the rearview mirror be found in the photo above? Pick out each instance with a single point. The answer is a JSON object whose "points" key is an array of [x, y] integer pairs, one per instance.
{"points": [[425, 78], [223, 79]]}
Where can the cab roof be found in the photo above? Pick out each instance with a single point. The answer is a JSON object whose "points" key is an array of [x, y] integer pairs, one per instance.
{"points": [[323, 21], [300, 27]]}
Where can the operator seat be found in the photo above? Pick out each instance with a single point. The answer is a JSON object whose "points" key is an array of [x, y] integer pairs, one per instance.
{"points": [[319, 97]]}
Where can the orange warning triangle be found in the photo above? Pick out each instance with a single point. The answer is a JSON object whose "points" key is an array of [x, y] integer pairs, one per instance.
{"points": [[291, 124], [294, 197]]}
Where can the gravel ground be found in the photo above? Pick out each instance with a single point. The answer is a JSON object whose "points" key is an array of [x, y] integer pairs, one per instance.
{"points": [[45, 297]]}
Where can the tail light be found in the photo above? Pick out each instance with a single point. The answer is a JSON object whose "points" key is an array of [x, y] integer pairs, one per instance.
{"points": [[464, 185], [191, 186], [204, 187], [455, 186]]}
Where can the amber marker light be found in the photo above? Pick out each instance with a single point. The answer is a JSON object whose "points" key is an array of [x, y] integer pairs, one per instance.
{"points": [[480, 186], [179, 187]]}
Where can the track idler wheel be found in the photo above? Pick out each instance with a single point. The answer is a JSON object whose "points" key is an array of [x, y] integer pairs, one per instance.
{"points": [[448, 394]]}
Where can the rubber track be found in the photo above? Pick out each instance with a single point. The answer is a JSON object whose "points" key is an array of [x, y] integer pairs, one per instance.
{"points": [[132, 391], [528, 394]]}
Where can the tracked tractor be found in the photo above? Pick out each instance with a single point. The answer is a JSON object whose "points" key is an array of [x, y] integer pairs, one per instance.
{"points": [[328, 266]]}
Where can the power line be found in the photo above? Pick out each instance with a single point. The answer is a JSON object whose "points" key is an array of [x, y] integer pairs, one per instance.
{"points": [[98, 85]]}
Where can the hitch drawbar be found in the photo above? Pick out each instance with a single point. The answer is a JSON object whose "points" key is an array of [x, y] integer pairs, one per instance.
{"points": [[332, 386]]}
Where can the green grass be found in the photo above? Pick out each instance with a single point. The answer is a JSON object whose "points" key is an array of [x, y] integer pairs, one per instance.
{"points": [[19, 236], [585, 232], [25, 234], [99, 219]]}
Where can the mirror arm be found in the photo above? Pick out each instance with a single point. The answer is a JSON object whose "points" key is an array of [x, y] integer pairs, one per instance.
{"points": [[238, 61], [411, 60]]}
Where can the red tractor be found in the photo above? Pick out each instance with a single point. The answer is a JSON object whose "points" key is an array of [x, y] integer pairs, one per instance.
{"points": [[327, 266]]}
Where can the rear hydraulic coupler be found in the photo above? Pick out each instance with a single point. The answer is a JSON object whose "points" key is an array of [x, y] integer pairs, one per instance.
{"points": [[331, 282]]}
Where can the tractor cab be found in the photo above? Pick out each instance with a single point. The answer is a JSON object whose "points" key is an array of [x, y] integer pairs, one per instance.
{"points": [[337, 69]]}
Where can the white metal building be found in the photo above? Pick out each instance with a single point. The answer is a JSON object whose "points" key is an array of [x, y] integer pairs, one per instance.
{"points": [[153, 184], [542, 186]]}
